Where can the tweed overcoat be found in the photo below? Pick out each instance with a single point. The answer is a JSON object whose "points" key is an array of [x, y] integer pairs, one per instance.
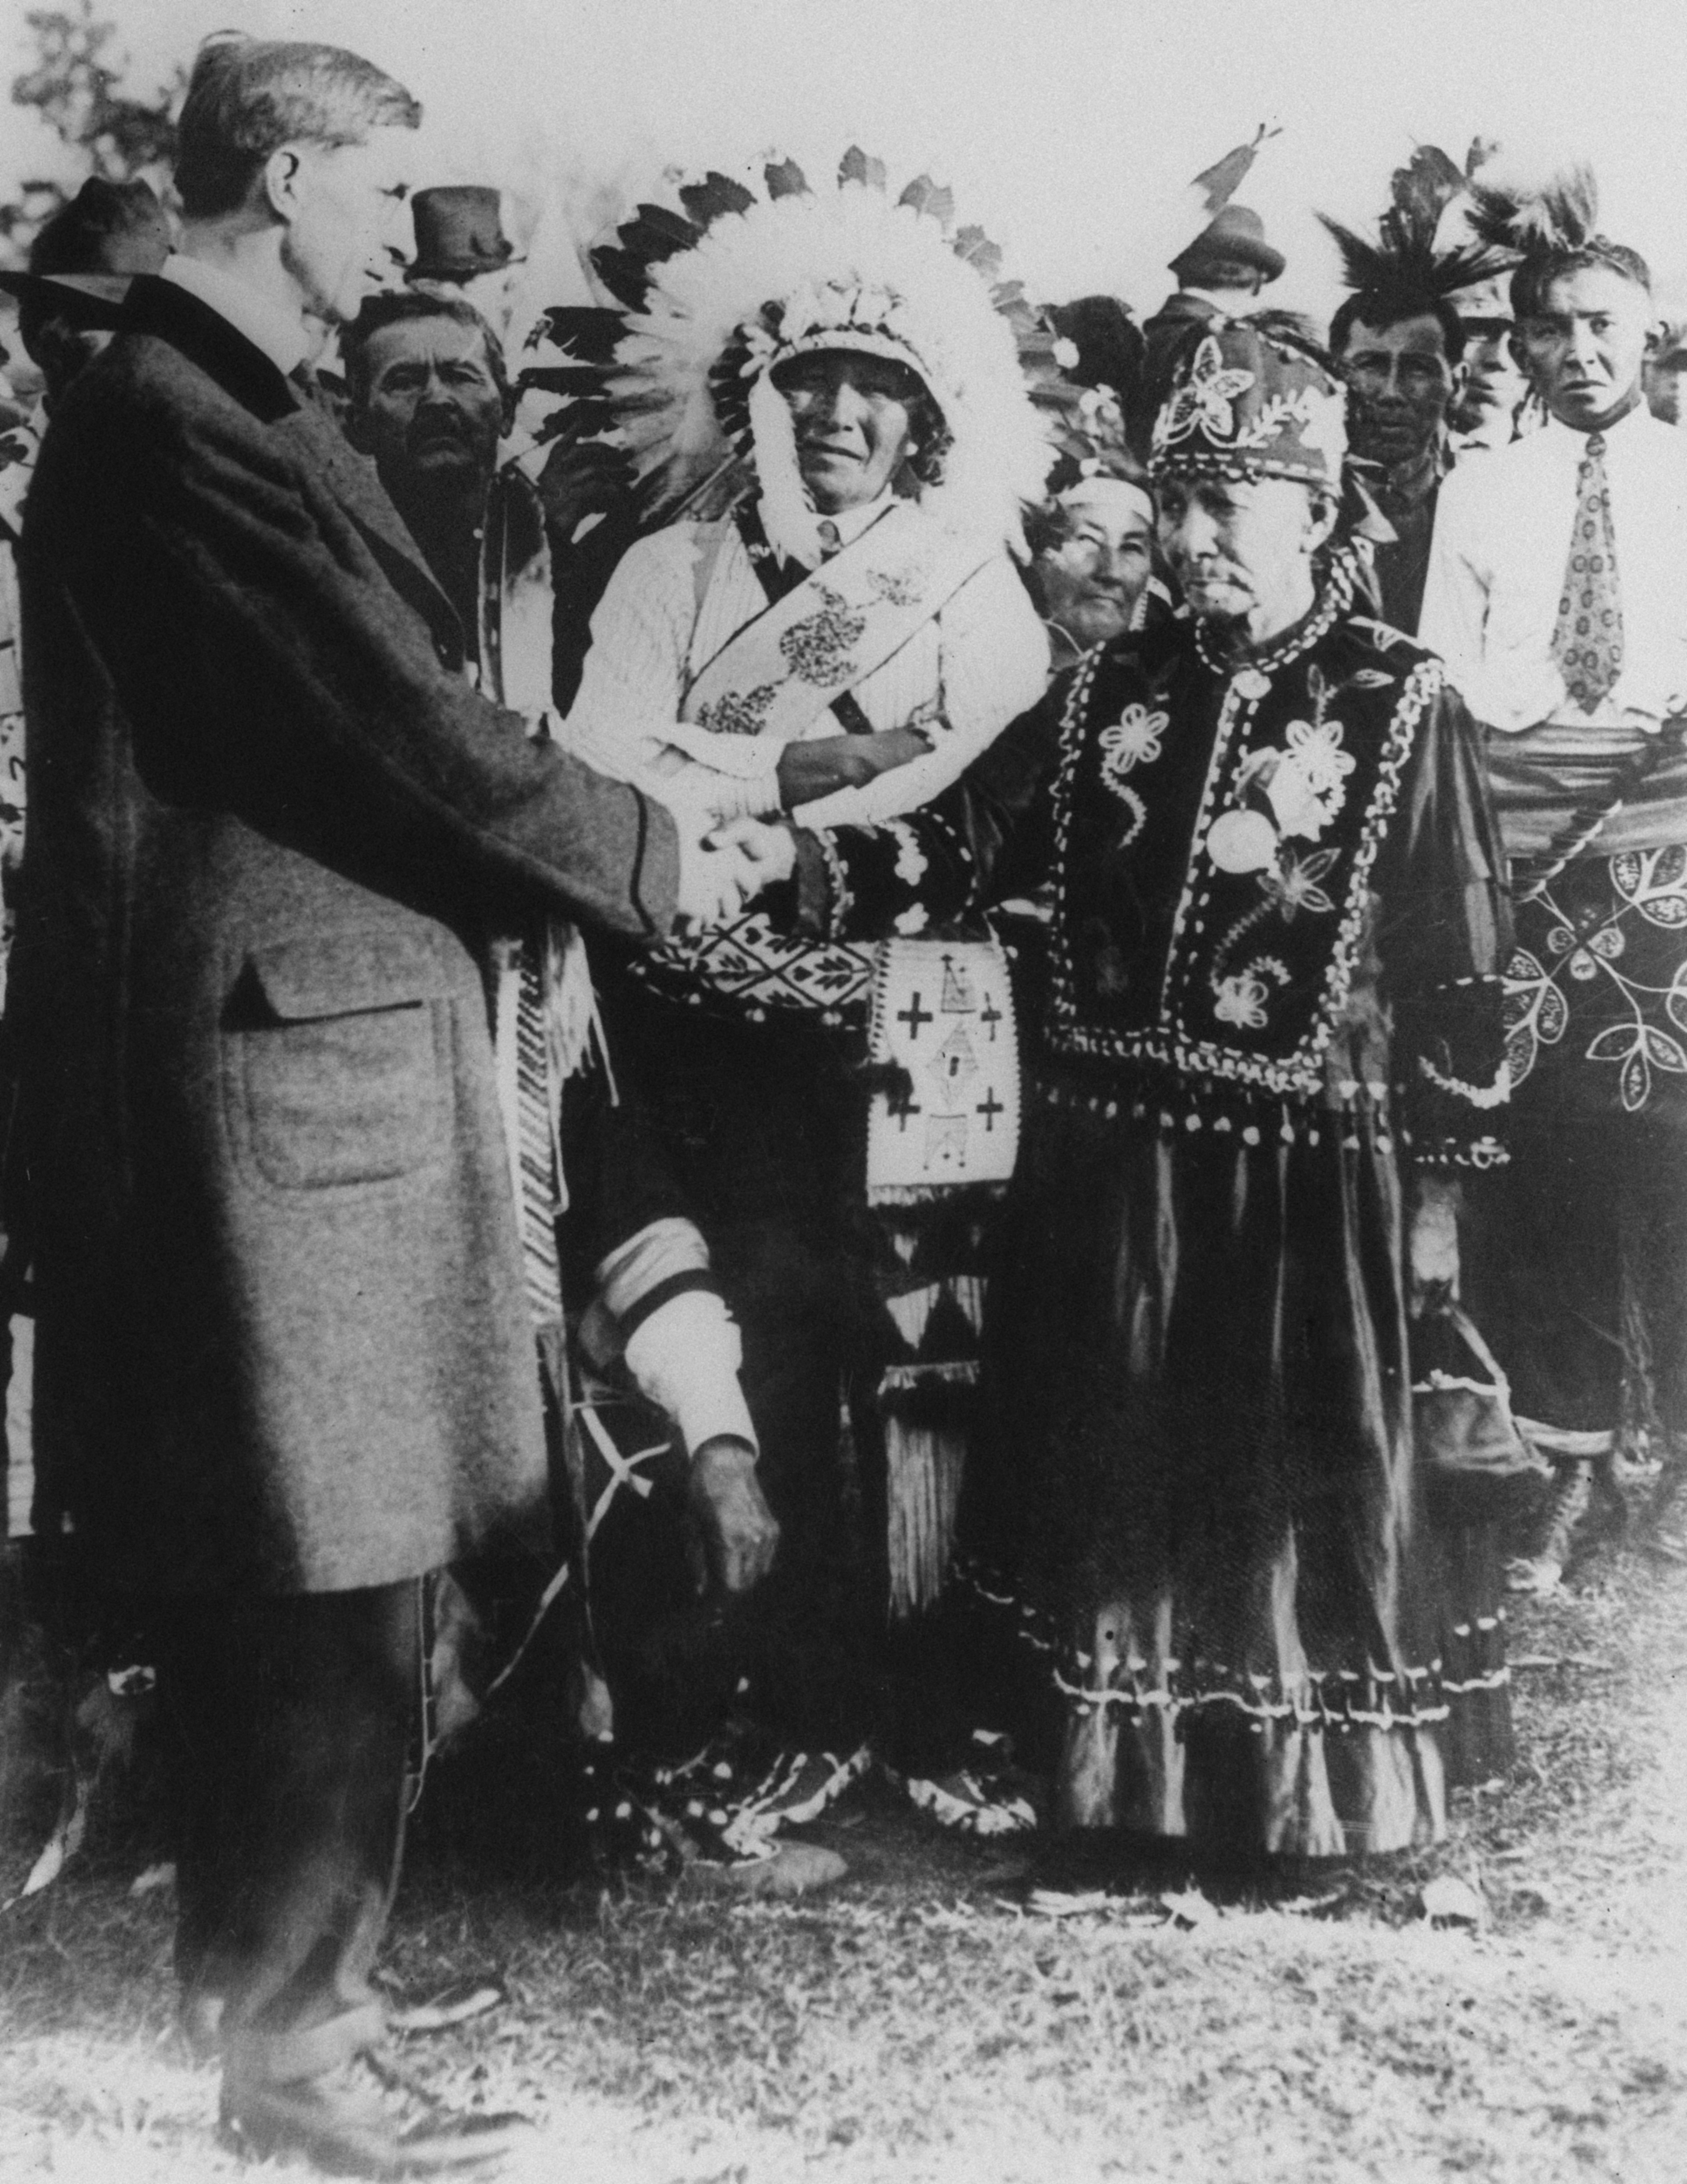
{"points": [[257, 1156]]}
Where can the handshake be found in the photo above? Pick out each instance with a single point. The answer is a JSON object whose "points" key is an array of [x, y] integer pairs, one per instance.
{"points": [[722, 873]]}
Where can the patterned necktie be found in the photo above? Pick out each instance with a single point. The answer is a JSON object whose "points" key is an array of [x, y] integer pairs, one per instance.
{"points": [[1587, 639]]}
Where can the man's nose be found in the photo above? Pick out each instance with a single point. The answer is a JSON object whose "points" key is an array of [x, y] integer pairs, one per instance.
{"points": [[1193, 534], [841, 404], [1583, 347]]}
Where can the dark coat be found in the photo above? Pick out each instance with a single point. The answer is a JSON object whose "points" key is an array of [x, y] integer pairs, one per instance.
{"points": [[282, 1343]]}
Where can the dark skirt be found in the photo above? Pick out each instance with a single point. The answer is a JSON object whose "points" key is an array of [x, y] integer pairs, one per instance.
{"points": [[1576, 1256], [1197, 1471]]}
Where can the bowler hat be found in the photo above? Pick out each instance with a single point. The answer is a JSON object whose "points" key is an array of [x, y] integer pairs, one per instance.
{"points": [[458, 233], [1236, 233]]}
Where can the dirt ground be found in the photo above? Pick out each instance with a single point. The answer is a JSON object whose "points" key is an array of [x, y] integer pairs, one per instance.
{"points": [[923, 2021]]}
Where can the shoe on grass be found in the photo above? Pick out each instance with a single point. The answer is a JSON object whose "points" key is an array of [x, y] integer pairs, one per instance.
{"points": [[989, 1796], [365, 2118], [742, 1789], [797, 1787]]}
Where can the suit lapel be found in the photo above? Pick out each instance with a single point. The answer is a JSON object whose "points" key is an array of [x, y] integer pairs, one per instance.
{"points": [[169, 312], [356, 486]]}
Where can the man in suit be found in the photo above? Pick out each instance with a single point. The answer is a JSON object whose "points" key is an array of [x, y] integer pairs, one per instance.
{"points": [[258, 1153]]}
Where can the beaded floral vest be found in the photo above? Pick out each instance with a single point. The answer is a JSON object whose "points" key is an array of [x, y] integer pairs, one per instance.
{"points": [[1216, 831]]}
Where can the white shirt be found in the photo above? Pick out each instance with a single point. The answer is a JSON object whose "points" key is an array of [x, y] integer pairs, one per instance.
{"points": [[269, 327], [1503, 527], [985, 653]]}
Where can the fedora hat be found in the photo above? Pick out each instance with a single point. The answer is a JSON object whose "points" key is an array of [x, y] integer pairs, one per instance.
{"points": [[459, 233], [1236, 234]]}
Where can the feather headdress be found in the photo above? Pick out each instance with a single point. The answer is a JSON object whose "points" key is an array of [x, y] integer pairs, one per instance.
{"points": [[1560, 217], [718, 296], [1406, 270]]}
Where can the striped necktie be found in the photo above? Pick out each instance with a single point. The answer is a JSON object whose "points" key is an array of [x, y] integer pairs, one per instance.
{"points": [[1587, 638]]}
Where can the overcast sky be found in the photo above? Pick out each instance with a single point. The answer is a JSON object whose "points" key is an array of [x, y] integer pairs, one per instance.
{"points": [[1053, 119]]}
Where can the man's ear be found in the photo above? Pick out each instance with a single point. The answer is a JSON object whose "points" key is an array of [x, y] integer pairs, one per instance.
{"points": [[1321, 521], [280, 181]]}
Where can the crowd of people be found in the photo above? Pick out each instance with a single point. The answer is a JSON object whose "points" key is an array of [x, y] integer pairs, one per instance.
{"points": [[947, 1034]]}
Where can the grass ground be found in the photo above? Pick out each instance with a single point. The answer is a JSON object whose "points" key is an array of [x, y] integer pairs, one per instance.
{"points": [[920, 2022]]}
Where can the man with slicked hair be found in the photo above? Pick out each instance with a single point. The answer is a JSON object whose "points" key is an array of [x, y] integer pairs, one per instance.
{"points": [[259, 1158]]}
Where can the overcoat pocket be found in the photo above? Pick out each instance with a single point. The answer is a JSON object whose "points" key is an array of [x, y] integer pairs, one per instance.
{"points": [[337, 1059]]}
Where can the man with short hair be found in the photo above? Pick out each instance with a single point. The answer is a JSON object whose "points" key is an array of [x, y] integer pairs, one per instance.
{"points": [[1557, 595], [258, 1157]]}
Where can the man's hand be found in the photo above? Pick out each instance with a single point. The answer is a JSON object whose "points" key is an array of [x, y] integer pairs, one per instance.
{"points": [[809, 770], [723, 873], [1433, 1251], [767, 850], [740, 1533]]}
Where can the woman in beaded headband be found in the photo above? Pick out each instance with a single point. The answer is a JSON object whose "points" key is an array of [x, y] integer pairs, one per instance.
{"points": [[1248, 456]]}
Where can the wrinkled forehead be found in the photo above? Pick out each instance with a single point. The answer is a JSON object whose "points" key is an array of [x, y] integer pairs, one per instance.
{"points": [[1422, 336], [423, 342], [1594, 292], [1110, 508], [1250, 495]]}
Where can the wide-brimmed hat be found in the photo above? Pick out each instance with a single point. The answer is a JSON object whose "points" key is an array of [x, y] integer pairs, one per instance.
{"points": [[459, 233], [84, 257], [86, 299], [1235, 234], [1247, 402]]}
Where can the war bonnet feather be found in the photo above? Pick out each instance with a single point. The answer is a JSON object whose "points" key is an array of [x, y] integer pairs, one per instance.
{"points": [[718, 296]]}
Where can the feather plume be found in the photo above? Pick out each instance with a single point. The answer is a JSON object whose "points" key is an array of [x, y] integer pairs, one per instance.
{"points": [[1562, 216], [1404, 271], [1425, 186]]}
